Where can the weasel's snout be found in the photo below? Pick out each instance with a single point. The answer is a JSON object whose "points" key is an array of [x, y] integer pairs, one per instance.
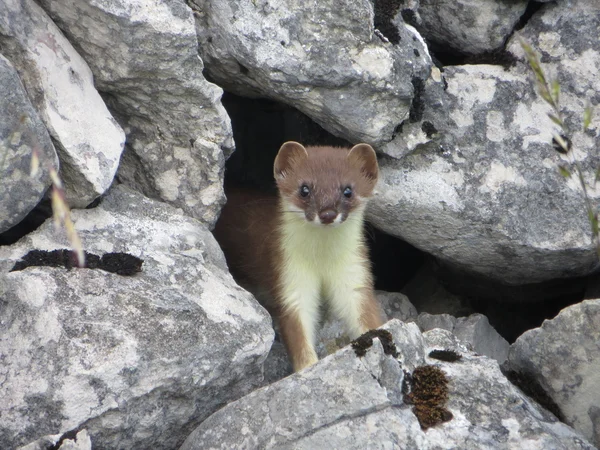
{"points": [[327, 216]]}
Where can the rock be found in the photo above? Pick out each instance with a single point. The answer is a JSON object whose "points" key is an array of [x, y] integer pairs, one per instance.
{"points": [[485, 194], [475, 331], [397, 306], [467, 26], [21, 131], [139, 360], [324, 59], [351, 402], [563, 355], [178, 133], [60, 85]]}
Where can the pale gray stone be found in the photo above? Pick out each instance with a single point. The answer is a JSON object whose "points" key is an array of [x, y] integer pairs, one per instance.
{"points": [[563, 355], [355, 403], [470, 26], [474, 331], [324, 59], [21, 133], [485, 194], [397, 306], [61, 86], [144, 55], [139, 360]]}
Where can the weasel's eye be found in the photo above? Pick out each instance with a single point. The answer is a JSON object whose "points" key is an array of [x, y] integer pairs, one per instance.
{"points": [[304, 190], [348, 192]]}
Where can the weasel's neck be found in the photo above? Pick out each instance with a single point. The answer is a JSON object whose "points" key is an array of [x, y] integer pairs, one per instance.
{"points": [[321, 244]]}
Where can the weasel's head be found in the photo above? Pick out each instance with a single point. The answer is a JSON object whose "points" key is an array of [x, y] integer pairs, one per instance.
{"points": [[327, 184]]}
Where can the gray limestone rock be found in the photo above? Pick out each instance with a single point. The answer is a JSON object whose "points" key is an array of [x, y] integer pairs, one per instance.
{"points": [[324, 59], [353, 402], [21, 132], [470, 26], [144, 56], [138, 361], [485, 194], [61, 86], [474, 331], [563, 355]]}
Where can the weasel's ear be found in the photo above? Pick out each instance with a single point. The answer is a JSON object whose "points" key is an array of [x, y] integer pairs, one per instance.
{"points": [[289, 154], [363, 156]]}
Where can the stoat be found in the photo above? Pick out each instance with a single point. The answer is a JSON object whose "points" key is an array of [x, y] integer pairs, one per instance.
{"points": [[307, 246]]}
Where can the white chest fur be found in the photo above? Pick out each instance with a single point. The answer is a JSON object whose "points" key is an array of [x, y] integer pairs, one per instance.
{"points": [[324, 262]]}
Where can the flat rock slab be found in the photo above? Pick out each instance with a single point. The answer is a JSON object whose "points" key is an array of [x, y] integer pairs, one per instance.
{"points": [[137, 361]]}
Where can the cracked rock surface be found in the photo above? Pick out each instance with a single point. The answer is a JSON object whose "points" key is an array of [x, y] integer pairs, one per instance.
{"points": [[137, 361], [349, 402], [324, 59], [484, 192], [144, 56], [61, 86]]}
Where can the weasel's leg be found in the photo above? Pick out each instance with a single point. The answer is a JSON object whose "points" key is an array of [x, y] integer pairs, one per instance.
{"points": [[352, 299], [298, 305]]}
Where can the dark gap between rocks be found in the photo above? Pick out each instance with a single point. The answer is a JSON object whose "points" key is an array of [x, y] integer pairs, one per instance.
{"points": [[385, 11], [31, 222], [532, 388], [120, 263], [34, 219], [70, 435]]}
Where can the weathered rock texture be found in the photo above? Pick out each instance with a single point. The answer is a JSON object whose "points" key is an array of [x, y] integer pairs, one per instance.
{"points": [[485, 194], [60, 85], [469, 26], [21, 132], [144, 55], [563, 355], [137, 361], [323, 58], [349, 402], [475, 331]]}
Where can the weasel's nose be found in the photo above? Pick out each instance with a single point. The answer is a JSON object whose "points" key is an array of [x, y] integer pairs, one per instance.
{"points": [[327, 216]]}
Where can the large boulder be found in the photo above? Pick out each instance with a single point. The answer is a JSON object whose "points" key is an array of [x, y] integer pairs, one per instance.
{"points": [[137, 361], [21, 133], [563, 356], [470, 26], [325, 59], [350, 402], [61, 87], [484, 193], [144, 56]]}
